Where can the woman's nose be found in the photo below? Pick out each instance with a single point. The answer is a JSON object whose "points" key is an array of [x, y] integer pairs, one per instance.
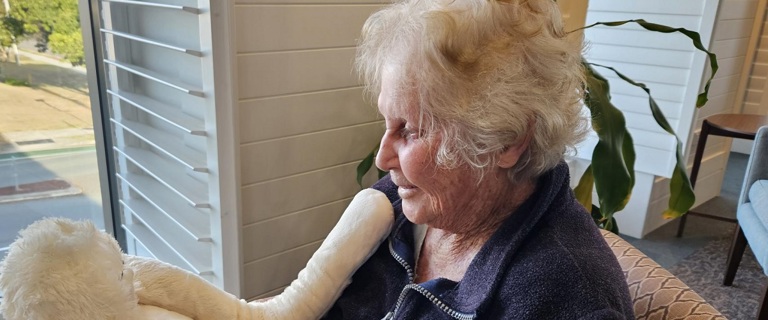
{"points": [[386, 158]]}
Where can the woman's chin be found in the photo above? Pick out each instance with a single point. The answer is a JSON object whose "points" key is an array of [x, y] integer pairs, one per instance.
{"points": [[413, 213]]}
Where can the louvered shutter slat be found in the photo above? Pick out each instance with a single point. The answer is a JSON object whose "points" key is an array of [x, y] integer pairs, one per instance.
{"points": [[168, 174], [156, 5], [178, 254], [164, 112], [141, 39], [176, 209], [174, 148], [156, 77]]}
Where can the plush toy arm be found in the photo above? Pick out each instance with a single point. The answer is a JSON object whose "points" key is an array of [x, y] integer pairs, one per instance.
{"points": [[364, 225], [169, 287]]}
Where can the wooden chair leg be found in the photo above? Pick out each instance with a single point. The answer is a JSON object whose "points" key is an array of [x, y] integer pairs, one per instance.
{"points": [[681, 225], [738, 245], [762, 313]]}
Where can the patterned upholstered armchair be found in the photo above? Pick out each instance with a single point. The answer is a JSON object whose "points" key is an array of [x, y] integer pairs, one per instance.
{"points": [[656, 293], [752, 214]]}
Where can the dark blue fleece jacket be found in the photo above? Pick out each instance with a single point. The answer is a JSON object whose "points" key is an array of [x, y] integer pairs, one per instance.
{"points": [[546, 261]]}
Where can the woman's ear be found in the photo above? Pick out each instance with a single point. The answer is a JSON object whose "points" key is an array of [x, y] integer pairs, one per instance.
{"points": [[511, 154]]}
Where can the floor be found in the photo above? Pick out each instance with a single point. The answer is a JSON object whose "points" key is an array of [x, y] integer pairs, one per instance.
{"points": [[665, 248]]}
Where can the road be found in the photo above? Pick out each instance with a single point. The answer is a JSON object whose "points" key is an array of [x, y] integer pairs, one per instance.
{"points": [[79, 168]]}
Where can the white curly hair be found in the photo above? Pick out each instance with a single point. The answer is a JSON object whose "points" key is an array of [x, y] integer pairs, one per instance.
{"points": [[485, 74]]}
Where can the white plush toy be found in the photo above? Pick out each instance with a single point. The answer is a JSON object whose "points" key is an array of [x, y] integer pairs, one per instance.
{"points": [[60, 269]]}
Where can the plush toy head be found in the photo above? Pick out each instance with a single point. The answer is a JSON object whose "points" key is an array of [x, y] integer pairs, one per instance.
{"points": [[62, 269]]}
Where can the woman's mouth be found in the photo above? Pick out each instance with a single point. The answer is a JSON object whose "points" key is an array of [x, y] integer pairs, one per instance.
{"points": [[407, 191]]}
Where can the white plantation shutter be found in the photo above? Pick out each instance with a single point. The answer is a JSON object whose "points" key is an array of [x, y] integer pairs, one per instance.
{"points": [[158, 62]]}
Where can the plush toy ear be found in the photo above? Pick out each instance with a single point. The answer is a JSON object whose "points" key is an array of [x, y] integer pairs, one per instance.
{"points": [[65, 270]]}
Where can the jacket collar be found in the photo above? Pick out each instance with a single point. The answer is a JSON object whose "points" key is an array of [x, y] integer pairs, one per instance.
{"points": [[476, 289]]}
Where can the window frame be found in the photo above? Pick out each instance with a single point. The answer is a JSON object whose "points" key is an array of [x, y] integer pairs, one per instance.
{"points": [[90, 23]]}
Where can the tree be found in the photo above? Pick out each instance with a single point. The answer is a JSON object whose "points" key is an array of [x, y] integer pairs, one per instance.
{"points": [[10, 30], [55, 23]]}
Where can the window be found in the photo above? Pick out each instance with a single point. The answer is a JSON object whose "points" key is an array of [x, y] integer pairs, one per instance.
{"points": [[48, 162]]}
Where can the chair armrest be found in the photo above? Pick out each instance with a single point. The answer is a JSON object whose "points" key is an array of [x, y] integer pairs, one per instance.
{"points": [[656, 293]]}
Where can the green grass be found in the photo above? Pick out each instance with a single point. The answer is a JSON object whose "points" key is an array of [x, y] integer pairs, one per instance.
{"points": [[16, 82]]}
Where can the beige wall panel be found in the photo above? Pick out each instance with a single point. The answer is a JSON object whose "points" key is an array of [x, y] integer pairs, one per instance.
{"points": [[717, 104], [280, 27], [272, 74], [574, 13], [754, 109], [763, 43], [715, 146], [277, 271], [733, 29], [756, 83], [762, 55], [283, 157], [272, 199], [269, 237], [760, 69], [753, 96], [736, 9], [270, 118], [729, 48], [729, 67], [709, 188], [708, 166], [724, 85]]}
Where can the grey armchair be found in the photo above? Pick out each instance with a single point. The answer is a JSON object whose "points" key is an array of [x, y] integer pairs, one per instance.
{"points": [[752, 214]]}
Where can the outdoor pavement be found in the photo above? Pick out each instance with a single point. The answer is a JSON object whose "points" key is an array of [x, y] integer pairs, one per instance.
{"points": [[49, 116]]}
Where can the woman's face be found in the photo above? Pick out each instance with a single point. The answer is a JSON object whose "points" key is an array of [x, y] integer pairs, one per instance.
{"points": [[442, 198]]}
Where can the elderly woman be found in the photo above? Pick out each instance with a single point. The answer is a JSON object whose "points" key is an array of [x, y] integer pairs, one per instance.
{"points": [[481, 101]]}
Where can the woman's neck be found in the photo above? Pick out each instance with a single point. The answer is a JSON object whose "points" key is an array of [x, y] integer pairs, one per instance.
{"points": [[484, 216], [448, 252]]}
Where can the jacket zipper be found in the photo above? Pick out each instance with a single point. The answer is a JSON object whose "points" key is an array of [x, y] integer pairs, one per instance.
{"points": [[431, 297]]}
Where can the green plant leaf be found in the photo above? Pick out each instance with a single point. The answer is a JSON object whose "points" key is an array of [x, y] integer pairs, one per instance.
{"points": [[681, 197], [583, 191], [693, 35], [366, 165], [613, 158]]}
